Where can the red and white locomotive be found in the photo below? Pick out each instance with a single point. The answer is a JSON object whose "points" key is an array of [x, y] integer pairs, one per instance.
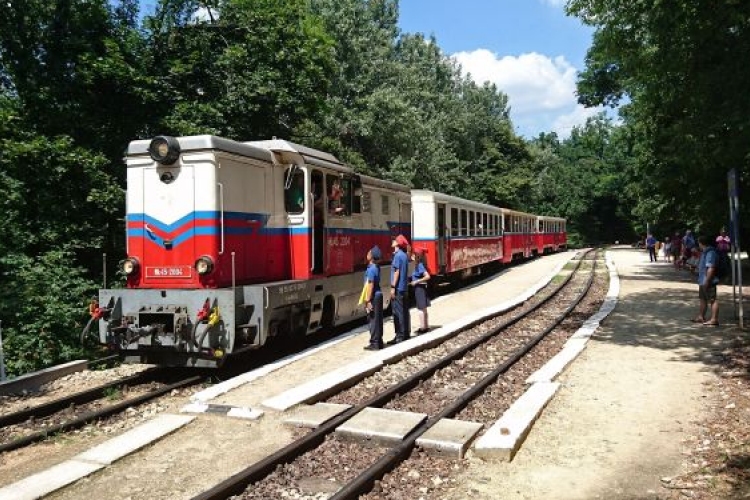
{"points": [[230, 244]]}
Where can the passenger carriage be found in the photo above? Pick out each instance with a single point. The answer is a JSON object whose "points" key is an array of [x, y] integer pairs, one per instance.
{"points": [[459, 236], [550, 234], [519, 235], [230, 244]]}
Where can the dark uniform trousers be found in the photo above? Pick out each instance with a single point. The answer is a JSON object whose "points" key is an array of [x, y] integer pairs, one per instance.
{"points": [[375, 320], [401, 315]]}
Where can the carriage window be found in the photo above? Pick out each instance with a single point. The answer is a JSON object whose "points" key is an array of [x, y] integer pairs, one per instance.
{"points": [[294, 190], [464, 225], [384, 201], [486, 227], [490, 227], [472, 225], [498, 229], [454, 222], [366, 201]]}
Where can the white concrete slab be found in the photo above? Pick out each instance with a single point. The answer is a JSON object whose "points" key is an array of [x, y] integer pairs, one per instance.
{"points": [[134, 439], [502, 440], [329, 383], [380, 426], [449, 437], [52, 479], [313, 416]]}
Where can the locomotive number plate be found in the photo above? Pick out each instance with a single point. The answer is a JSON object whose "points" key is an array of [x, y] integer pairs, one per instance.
{"points": [[169, 272]]}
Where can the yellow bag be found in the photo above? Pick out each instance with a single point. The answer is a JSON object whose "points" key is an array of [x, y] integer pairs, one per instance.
{"points": [[363, 295]]}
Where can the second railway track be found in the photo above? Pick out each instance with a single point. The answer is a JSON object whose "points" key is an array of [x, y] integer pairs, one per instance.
{"points": [[35, 423]]}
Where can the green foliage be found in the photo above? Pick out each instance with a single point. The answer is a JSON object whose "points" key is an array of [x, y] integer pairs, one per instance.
{"points": [[585, 178], [681, 65], [42, 303], [257, 71]]}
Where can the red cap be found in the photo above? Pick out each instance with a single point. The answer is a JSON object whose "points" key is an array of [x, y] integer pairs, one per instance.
{"points": [[402, 241]]}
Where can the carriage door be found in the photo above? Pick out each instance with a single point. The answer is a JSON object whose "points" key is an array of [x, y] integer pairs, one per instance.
{"points": [[319, 222], [441, 236]]}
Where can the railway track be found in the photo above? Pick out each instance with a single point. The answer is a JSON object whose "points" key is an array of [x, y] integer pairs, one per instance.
{"points": [[36, 423], [468, 366]]}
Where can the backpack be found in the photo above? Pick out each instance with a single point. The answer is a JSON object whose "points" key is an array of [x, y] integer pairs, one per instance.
{"points": [[722, 265]]}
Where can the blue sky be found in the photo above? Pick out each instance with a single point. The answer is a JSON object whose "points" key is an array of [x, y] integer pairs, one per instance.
{"points": [[529, 48]]}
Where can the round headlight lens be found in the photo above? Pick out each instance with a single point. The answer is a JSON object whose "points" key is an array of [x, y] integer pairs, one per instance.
{"points": [[164, 149], [129, 266], [204, 265]]}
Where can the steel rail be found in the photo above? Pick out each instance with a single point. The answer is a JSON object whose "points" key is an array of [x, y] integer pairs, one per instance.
{"points": [[94, 415], [51, 407], [237, 483]]}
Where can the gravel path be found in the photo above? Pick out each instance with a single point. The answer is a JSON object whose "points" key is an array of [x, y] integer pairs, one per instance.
{"points": [[639, 412]]}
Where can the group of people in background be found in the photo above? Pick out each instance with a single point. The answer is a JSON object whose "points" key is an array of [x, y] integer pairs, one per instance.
{"points": [[400, 281], [703, 256]]}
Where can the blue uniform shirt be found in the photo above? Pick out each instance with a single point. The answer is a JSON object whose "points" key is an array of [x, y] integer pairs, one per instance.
{"points": [[373, 274], [708, 259], [419, 271], [400, 262]]}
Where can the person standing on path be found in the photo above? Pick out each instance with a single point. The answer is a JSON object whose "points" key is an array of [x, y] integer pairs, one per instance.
{"points": [[374, 300], [419, 279], [707, 282], [723, 243], [651, 247], [400, 289]]}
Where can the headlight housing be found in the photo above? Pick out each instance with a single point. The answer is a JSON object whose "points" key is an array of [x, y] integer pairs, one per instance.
{"points": [[164, 149], [204, 265], [130, 266]]}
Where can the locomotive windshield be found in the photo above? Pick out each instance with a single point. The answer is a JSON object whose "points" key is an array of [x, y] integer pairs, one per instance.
{"points": [[294, 191]]}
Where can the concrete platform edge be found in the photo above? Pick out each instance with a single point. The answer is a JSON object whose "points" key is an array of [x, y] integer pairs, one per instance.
{"points": [[326, 384], [504, 438], [34, 380]]}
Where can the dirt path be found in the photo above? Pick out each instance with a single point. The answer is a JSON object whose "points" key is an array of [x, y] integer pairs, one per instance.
{"points": [[628, 407]]}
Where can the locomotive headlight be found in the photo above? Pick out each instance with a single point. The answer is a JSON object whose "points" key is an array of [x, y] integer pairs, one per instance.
{"points": [[164, 149], [130, 266], [204, 265]]}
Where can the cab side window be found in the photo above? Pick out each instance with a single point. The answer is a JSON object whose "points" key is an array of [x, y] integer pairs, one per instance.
{"points": [[294, 191]]}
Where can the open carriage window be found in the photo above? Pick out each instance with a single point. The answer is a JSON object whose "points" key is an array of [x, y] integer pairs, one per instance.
{"points": [[294, 190]]}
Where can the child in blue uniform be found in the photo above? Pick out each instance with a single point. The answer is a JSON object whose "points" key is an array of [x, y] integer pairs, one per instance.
{"points": [[419, 279], [374, 300]]}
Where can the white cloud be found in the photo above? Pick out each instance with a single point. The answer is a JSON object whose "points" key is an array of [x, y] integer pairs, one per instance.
{"points": [[540, 89], [555, 3]]}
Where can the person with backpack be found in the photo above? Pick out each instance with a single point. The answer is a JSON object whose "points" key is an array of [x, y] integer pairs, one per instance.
{"points": [[707, 282]]}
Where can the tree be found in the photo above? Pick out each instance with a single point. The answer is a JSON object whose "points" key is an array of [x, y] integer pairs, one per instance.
{"points": [[256, 71], [680, 65]]}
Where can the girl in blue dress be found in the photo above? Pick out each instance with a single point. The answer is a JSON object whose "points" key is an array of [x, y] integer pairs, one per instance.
{"points": [[419, 279]]}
